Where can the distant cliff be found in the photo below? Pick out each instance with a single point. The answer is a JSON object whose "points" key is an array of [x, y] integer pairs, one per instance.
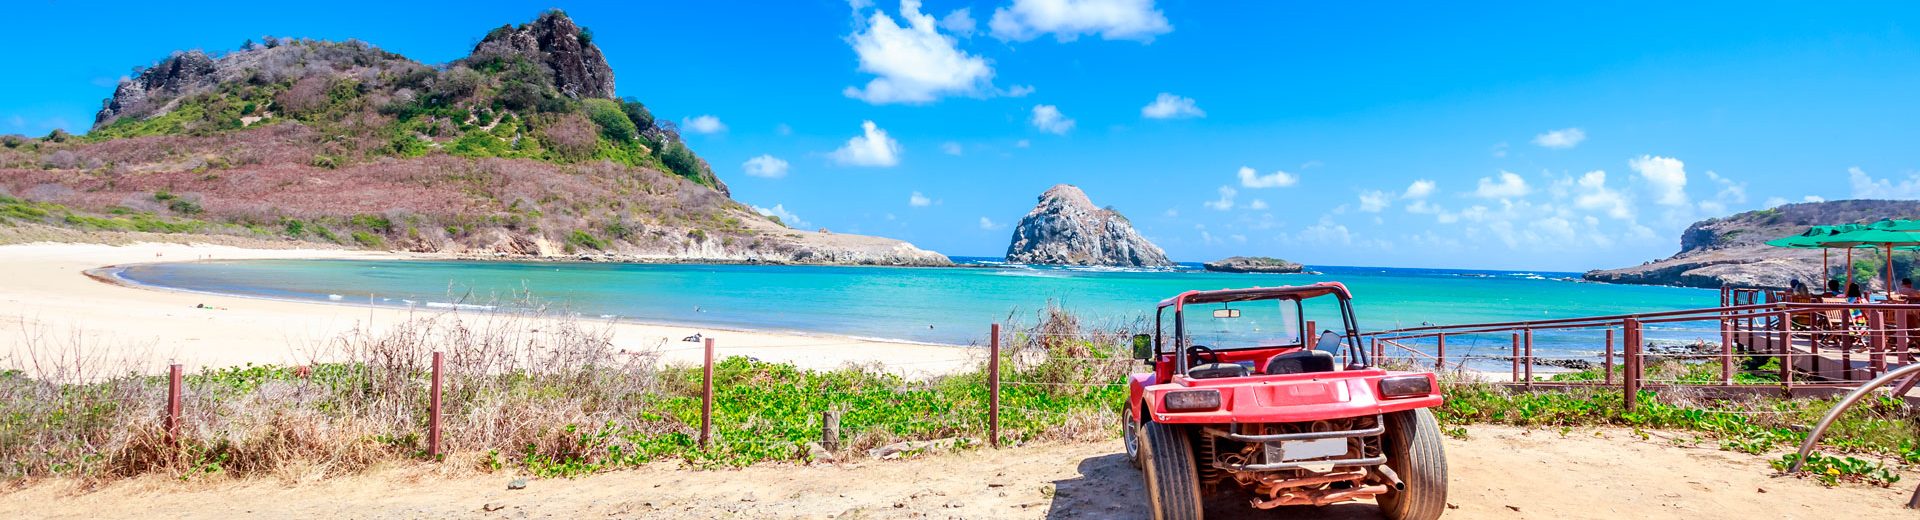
{"points": [[1731, 250], [1253, 264], [1066, 228], [518, 149]]}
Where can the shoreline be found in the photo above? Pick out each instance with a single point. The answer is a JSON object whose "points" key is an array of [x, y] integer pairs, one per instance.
{"points": [[59, 307]]}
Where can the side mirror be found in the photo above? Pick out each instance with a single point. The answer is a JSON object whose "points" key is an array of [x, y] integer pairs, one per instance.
{"points": [[1142, 346]]}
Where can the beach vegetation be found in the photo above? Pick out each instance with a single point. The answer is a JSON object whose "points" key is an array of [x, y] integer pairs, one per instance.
{"points": [[369, 240]]}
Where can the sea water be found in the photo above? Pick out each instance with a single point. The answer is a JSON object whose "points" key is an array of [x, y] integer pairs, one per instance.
{"points": [[939, 305]]}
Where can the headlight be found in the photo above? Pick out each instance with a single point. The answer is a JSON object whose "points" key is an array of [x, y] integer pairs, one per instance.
{"points": [[1193, 400], [1405, 386]]}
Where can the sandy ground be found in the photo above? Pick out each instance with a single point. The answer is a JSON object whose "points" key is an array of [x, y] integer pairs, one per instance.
{"points": [[46, 300], [1498, 473]]}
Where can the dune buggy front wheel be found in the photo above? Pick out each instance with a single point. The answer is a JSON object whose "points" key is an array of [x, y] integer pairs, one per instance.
{"points": [[1173, 482], [1414, 453], [1130, 437]]}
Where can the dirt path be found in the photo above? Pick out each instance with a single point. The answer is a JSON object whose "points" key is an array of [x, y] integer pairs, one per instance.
{"points": [[1500, 473]]}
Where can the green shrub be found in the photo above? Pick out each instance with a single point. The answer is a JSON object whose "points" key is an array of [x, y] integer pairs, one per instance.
{"points": [[371, 240], [614, 124], [581, 238], [637, 113], [374, 222]]}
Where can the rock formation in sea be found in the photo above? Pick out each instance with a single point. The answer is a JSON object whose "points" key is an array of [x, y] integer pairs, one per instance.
{"points": [[1731, 250], [1254, 264], [1066, 228]]}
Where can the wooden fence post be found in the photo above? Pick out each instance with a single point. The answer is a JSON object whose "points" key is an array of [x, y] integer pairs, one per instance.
{"points": [[1726, 349], [1528, 370], [1633, 360], [1440, 353], [993, 386], [706, 398], [1877, 360], [1606, 362], [830, 430], [433, 407], [174, 373], [1516, 357], [1786, 353]]}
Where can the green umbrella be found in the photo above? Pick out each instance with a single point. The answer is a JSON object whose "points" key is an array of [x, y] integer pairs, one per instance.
{"points": [[1896, 225], [1877, 236], [1812, 239]]}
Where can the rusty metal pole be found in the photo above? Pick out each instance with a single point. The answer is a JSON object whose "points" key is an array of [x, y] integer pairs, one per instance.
{"points": [[993, 386], [174, 373], [1877, 364], [1632, 386], [1726, 350], [1516, 357], [1529, 365], [1786, 353], [1440, 353], [706, 398], [1606, 363], [433, 407]]}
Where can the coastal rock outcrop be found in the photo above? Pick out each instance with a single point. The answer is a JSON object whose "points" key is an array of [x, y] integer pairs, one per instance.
{"points": [[1732, 250], [553, 40], [1254, 264], [1066, 228]]}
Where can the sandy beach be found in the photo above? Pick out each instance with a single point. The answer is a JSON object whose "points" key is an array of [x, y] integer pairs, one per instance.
{"points": [[48, 301]]}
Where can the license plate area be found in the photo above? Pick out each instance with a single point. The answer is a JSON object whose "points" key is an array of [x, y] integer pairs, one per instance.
{"points": [[1295, 451]]}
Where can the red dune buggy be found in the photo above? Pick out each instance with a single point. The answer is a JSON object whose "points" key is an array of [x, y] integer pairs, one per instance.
{"points": [[1244, 397]]}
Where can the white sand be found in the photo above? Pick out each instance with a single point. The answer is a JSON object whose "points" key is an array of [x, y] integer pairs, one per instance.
{"points": [[47, 301]]}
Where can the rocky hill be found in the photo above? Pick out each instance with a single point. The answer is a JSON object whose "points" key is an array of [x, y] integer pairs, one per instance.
{"points": [[1253, 264], [519, 148], [1731, 250], [1066, 228]]}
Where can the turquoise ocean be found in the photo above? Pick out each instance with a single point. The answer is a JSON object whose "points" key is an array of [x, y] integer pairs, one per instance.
{"points": [[937, 305]]}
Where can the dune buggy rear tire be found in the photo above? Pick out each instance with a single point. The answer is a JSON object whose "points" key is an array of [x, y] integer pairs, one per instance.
{"points": [[1173, 482], [1414, 453]]}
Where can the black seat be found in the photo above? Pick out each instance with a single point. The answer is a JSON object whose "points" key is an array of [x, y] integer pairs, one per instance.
{"points": [[1301, 362], [1217, 370]]}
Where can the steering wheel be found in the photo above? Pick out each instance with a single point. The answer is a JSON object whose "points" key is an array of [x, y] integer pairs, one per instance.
{"points": [[1203, 353]]}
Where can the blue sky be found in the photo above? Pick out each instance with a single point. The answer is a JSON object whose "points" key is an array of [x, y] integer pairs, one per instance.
{"points": [[1523, 135]]}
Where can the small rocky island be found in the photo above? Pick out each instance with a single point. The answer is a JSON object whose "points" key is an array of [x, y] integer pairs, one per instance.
{"points": [[1066, 228], [1732, 251], [1254, 264]]}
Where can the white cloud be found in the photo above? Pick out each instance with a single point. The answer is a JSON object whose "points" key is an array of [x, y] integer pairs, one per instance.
{"points": [[951, 148], [1867, 187], [1730, 192], [1500, 150], [783, 129], [1374, 201], [766, 166], [919, 201], [1327, 232], [1171, 212], [786, 217], [914, 63], [1069, 19], [1596, 196], [1509, 186], [1278, 179], [703, 124], [1560, 139], [1047, 118], [1019, 91], [1225, 202], [1774, 202], [1257, 205], [871, 148], [1023, 143], [1420, 189], [1813, 198], [960, 22], [988, 224], [1666, 176], [1169, 106]]}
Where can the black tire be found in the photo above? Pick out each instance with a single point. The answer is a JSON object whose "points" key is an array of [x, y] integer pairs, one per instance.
{"points": [[1130, 437], [1415, 454], [1173, 482]]}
